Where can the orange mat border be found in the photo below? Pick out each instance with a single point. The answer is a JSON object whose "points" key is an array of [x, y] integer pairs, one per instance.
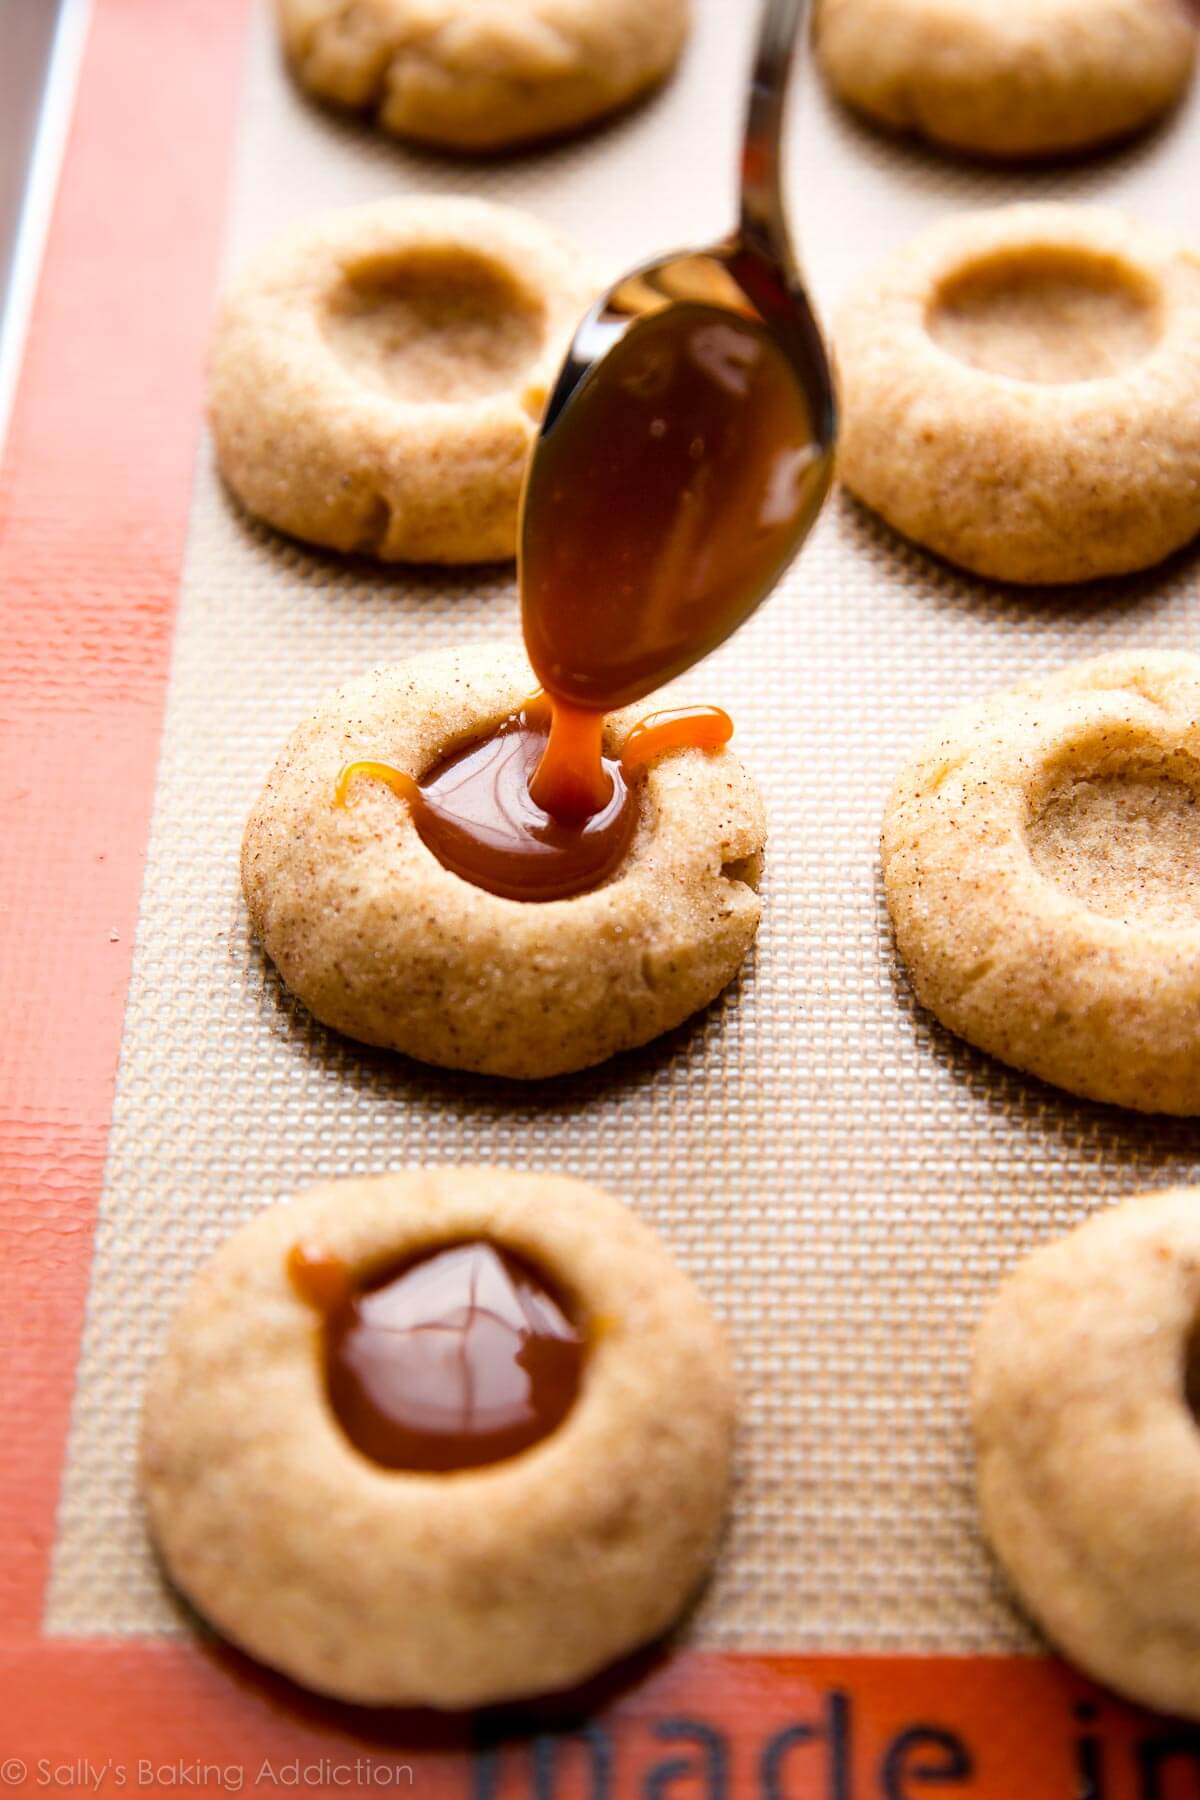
{"points": [[94, 499], [698, 1727]]}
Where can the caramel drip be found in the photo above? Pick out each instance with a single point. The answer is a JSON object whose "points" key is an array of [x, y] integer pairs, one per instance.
{"points": [[477, 812], [481, 812], [402, 785], [318, 1277], [682, 728], [663, 503], [570, 782]]}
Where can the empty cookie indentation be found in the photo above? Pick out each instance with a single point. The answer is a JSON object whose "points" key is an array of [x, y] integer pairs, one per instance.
{"points": [[1046, 315], [434, 328], [1126, 846]]}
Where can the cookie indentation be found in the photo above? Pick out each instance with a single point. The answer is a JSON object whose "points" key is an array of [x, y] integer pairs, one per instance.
{"points": [[385, 935], [1046, 315], [1127, 846], [375, 375], [435, 329], [458, 1359], [1046, 895], [1020, 392]]}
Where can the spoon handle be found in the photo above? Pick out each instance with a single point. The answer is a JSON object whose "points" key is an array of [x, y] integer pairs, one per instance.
{"points": [[764, 221]]}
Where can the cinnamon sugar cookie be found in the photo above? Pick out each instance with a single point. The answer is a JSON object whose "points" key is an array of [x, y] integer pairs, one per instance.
{"points": [[481, 74], [1028, 78], [383, 942], [1041, 857], [1020, 392], [1088, 1446], [377, 376], [429, 1580]]}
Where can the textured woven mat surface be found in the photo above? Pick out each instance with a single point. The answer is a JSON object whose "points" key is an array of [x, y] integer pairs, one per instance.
{"points": [[843, 1179]]}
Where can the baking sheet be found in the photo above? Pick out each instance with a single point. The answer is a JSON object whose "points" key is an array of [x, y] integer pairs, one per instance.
{"points": [[844, 1179]]}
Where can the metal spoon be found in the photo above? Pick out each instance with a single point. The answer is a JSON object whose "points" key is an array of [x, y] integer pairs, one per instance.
{"points": [[607, 618]]}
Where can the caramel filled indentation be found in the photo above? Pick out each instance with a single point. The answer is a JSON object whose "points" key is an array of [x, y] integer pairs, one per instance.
{"points": [[451, 1360], [476, 812], [481, 811]]}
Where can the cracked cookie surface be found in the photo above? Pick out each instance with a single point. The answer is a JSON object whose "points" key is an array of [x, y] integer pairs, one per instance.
{"points": [[1029, 78], [481, 74]]}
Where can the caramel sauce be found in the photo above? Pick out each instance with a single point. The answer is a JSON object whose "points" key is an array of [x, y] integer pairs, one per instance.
{"points": [[477, 812], [318, 1277], [681, 728], [661, 506], [663, 502], [453, 1359], [571, 781]]}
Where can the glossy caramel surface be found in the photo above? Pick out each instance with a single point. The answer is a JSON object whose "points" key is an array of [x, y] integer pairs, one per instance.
{"points": [[679, 728], [479, 810], [476, 812], [663, 503], [660, 508], [451, 1360]]}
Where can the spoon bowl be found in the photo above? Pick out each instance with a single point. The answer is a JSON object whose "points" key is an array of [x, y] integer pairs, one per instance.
{"points": [[687, 446]]}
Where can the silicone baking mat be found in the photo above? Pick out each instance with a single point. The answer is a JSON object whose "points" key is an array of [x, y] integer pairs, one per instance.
{"points": [[845, 1180]]}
